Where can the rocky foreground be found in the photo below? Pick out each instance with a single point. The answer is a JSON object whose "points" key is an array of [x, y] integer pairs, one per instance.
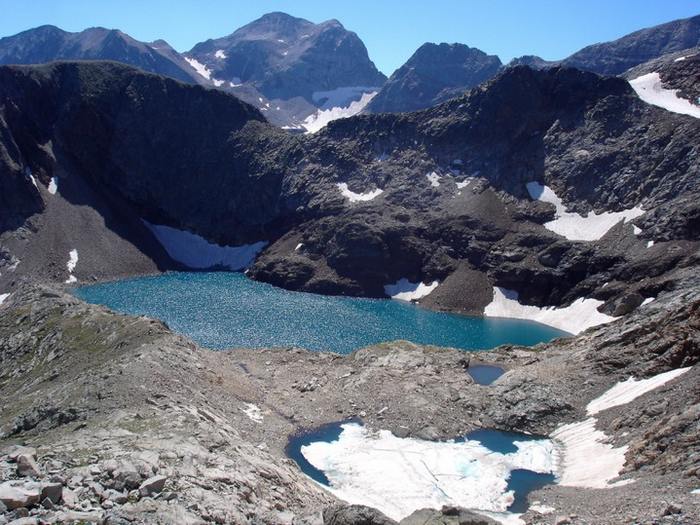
{"points": [[114, 419]]}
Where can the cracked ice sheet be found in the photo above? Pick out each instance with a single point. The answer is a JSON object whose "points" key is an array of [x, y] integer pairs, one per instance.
{"points": [[401, 475]]}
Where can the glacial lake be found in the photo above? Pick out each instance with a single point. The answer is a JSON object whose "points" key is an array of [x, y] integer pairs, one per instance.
{"points": [[227, 310]]}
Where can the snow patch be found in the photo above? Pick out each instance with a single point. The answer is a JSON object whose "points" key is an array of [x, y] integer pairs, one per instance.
{"points": [[636, 229], [434, 179], [541, 509], [587, 459], [650, 244], [220, 54], [196, 252], [466, 182], [649, 88], [629, 390], [404, 290], [298, 246], [357, 197], [680, 59], [200, 68], [647, 301], [578, 316], [400, 475], [576, 227], [31, 177], [3, 296], [253, 412], [322, 117], [53, 185], [71, 264]]}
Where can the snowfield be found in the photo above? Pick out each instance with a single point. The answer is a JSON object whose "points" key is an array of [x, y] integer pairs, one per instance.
{"points": [[650, 89], [400, 475], [196, 252], [200, 68], [322, 117], [629, 390], [578, 316], [576, 227], [71, 264], [404, 290], [581, 442], [358, 197]]}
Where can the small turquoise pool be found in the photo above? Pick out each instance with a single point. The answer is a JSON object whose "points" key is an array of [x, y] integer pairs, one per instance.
{"points": [[227, 310]]}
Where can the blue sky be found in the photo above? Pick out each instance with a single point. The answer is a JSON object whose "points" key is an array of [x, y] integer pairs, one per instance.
{"points": [[391, 29]]}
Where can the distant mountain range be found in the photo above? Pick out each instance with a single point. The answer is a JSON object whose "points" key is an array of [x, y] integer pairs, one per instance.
{"points": [[301, 75]]}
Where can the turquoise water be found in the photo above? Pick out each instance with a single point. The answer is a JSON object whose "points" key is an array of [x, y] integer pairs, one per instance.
{"points": [[228, 310]]}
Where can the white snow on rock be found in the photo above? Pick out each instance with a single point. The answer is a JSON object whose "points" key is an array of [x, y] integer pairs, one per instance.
{"points": [[587, 460], [342, 96], [434, 179], [650, 244], [200, 68], [541, 509], [679, 59], [220, 54], [196, 252], [358, 197], [317, 121], [404, 290], [576, 227], [629, 390], [578, 316], [298, 246], [71, 264], [647, 301], [400, 475], [53, 185], [466, 182], [253, 412], [636, 229], [649, 88], [31, 177], [3, 296]]}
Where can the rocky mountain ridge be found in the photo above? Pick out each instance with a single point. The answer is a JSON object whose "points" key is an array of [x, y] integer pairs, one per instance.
{"points": [[454, 200]]}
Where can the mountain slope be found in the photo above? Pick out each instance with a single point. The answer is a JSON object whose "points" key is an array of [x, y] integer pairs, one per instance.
{"points": [[433, 74], [617, 56], [49, 43]]}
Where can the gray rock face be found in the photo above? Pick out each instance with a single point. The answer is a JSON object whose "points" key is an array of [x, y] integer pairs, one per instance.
{"points": [[433, 74], [285, 57], [49, 43]]}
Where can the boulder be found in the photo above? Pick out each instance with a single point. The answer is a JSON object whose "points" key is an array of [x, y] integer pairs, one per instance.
{"points": [[27, 466], [152, 486], [52, 491], [354, 515], [16, 497]]}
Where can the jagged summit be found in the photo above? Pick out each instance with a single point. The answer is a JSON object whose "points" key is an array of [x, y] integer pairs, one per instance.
{"points": [[434, 73], [284, 57]]}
